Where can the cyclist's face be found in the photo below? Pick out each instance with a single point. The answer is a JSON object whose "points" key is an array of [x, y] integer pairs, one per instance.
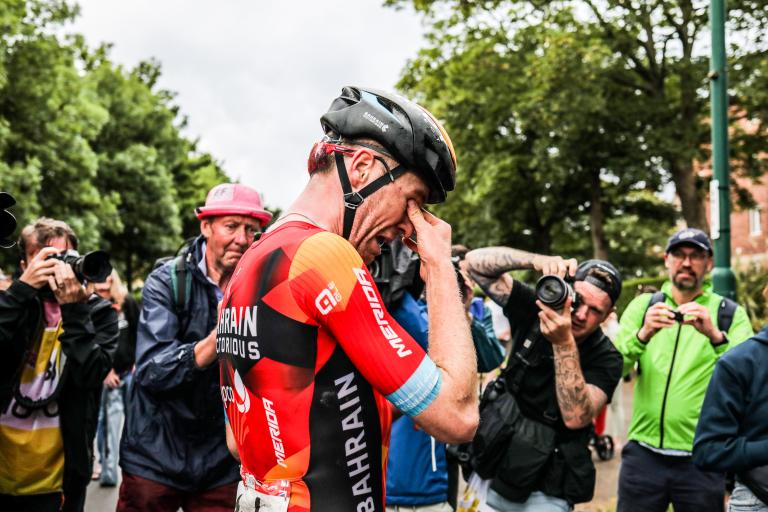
{"points": [[383, 216]]}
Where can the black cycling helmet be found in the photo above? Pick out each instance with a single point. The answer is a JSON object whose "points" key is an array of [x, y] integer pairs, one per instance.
{"points": [[406, 130], [612, 288]]}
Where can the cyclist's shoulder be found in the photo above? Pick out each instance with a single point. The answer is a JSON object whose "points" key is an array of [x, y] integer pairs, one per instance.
{"points": [[323, 249]]}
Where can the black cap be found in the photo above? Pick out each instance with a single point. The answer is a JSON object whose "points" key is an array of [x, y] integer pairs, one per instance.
{"points": [[613, 289], [690, 236]]}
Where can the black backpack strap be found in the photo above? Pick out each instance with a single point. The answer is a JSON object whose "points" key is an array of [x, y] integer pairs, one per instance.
{"points": [[725, 314], [181, 285], [655, 299]]}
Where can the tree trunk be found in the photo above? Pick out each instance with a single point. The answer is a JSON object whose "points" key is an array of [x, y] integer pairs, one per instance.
{"points": [[597, 219], [691, 201]]}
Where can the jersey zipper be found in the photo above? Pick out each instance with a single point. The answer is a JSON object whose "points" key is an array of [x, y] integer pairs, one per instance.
{"points": [[666, 388]]}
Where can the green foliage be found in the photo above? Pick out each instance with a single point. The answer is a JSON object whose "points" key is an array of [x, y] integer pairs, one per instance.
{"points": [[751, 282], [542, 139], [562, 111], [88, 142], [631, 288]]}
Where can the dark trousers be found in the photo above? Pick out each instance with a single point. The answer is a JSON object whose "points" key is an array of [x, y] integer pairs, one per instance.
{"points": [[50, 502], [141, 495], [649, 482]]}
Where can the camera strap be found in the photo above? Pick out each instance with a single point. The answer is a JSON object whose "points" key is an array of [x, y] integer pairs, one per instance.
{"points": [[519, 361]]}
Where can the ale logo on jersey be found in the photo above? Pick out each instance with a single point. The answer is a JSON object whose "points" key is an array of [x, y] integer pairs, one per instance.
{"points": [[328, 298]]}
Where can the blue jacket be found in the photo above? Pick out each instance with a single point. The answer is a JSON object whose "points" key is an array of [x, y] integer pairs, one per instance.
{"points": [[416, 470], [174, 429], [732, 433]]}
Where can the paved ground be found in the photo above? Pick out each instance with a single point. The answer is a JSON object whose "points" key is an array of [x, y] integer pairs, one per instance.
{"points": [[101, 499], [607, 484], [104, 499]]}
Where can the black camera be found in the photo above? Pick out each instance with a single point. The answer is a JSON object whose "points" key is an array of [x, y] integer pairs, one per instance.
{"points": [[679, 317], [7, 220], [93, 267], [395, 271], [553, 291]]}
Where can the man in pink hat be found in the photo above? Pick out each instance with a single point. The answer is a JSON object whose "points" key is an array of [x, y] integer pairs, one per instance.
{"points": [[173, 451]]}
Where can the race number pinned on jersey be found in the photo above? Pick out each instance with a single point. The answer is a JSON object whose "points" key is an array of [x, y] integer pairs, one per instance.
{"points": [[255, 496]]}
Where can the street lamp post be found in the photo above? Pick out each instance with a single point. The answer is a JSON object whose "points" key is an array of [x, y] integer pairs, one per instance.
{"points": [[723, 279]]}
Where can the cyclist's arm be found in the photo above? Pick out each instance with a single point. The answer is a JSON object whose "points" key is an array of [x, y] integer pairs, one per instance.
{"points": [[453, 416], [332, 285]]}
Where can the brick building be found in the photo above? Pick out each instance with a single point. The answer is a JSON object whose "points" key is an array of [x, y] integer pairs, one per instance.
{"points": [[749, 228]]}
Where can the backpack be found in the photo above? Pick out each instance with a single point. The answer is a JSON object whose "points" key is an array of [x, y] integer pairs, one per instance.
{"points": [[725, 312], [181, 283]]}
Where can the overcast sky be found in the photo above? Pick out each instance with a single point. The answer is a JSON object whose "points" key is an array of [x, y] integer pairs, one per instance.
{"points": [[254, 76]]}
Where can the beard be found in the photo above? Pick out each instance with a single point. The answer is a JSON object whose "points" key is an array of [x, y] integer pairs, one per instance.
{"points": [[687, 283]]}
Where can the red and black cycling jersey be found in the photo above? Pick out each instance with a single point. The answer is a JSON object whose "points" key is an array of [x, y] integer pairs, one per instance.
{"points": [[310, 360]]}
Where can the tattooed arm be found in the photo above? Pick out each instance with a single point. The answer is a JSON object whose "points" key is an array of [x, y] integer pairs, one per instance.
{"points": [[489, 266], [579, 401]]}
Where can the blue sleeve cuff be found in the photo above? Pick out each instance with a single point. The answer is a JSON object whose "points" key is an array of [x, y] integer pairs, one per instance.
{"points": [[419, 390]]}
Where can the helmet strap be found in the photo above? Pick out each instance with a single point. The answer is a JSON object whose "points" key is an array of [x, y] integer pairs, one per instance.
{"points": [[353, 199]]}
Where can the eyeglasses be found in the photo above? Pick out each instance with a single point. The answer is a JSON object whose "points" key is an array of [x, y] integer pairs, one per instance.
{"points": [[694, 256]]}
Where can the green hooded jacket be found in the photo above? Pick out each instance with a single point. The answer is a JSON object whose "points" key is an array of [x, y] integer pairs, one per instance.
{"points": [[673, 374]]}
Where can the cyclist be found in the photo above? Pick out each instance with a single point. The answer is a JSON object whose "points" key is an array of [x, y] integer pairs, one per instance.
{"points": [[310, 356]]}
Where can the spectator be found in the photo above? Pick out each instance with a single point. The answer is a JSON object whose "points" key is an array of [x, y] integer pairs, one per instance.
{"points": [[173, 451], [676, 356], [732, 433], [57, 340], [421, 475], [112, 411], [561, 373]]}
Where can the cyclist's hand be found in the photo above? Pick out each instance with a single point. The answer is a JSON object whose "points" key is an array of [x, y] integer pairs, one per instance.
{"points": [[433, 237]]}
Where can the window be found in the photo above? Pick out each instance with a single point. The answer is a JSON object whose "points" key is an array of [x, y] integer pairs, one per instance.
{"points": [[754, 222]]}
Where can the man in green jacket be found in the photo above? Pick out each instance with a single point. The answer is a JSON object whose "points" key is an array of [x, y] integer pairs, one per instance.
{"points": [[676, 338]]}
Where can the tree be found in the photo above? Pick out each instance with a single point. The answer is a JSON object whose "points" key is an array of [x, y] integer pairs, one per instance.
{"points": [[657, 53], [91, 143], [546, 154]]}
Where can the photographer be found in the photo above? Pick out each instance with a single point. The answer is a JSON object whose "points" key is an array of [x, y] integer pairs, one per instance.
{"points": [[561, 372], [57, 341], [676, 336]]}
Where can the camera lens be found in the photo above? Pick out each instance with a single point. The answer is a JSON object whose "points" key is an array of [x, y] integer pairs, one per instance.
{"points": [[553, 290], [94, 266]]}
